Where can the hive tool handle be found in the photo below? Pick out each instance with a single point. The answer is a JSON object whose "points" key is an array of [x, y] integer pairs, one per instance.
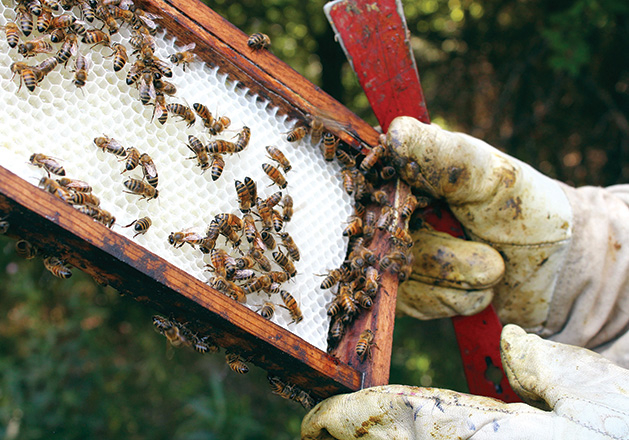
{"points": [[376, 41]]}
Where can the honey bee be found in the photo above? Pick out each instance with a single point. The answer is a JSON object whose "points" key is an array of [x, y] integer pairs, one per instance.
{"points": [[25, 249], [345, 159], [33, 47], [363, 346], [346, 303], [51, 4], [149, 170], [96, 37], [79, 198], [57, 267], [285, 263], [133, 159], [278, 223], [397, 257], [69, 48], [28, 75], [297, 133], [160, 109], [45, 67], [278, 156], [34, 6], [243, 139], [110, 145], [244, 197], [236, 363], [330, 143], [98, 214], [400, 236], [333, 277], [86, 10], [279, 276], [252, 188], [369, 225], [50, 165], [173, 331], [364, 300], [372, 278], [262, 282], [380, 197], [200, 152], [72, 184], [120, 56], [289, 244], [135, 72], [218, 164], [13, 33], [231, 235], [280, 388], [203, 345], [78, 28], [164, 87], [287, 205], [275, 175], [265, 213], [274, 199], [249, 227], [221, 123], [409, 206], [355, 227], [178, 239], [58, 35], [376, 153], [103, 13], [268, 240], [291, 305], [316, 130], [184, 56], [63, 21], [259, 257], [43, 20], [337, 328], [241, 274], [221, 146], [141, 225], [183, 112], [141, 188], [204, 113], [25, 19], [348, 181], [146, 88], [258, 41], [81, 69], [387, 215], [305, 400]]}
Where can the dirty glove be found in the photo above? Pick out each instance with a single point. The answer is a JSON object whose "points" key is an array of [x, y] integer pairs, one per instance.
{"points": [[565, 250], [572, 393]]}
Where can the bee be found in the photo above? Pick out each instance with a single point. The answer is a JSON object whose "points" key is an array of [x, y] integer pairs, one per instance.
{"points": [[164, 87], [204, 113], [396, 257], [25, 19], [410, 204], [364, 300], [103, 13], [45, 67], [287, 205], [280, 388], [244, 197], [184, 56], [330, 143], [262, 282], [178, 239], [274, 199], [337, 328], [120, 56], [231, 235], [51, 4], [13, 33], [346, 303], [278, 156], [33, 47], [265, 213], [297, 133], [133, 159], [50, 165], [28, 75], [380, 197], [81, 69], [305, 400], [291, 305], [278, 223], [249, 227], [275, 175], [86, 10], [401, 236], [345, 159], [141, 225], [268, 240], [285, 263], [236, 363], [160, 109], [96, 37], [182, 111], [98, 214], [348, 181], [58, 35], [243, 139], [57, 267], [355, 227], [372, 278], [376, 153], [258, 41], [363, 346], [149, 170], [218, 164], [135, 72], [34, 6], [203, 345], [221, 123], [289, 244], [25, 249], [316, 130], [200, 152], [78, 28], [221, 146], [68, 49], [387, 215], [173, 331], [252, 188], [241, 274], [63, 21], [110, 145], [333, 277], [259, 257], [369, 225], [141, 188], [79, 198], [146, 88], [43, 20], [160, 66], [279, 276]]}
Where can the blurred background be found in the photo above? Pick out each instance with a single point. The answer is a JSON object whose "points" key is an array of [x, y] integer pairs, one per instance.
{"points": [[547, 82]]}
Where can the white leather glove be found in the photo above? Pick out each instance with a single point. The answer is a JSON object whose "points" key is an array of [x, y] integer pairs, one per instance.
{"points": [[577, 395], [565, 250]]}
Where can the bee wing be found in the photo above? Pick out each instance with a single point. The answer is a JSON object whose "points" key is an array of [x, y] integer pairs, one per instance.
{"points": [[149, 168], [188, 47], [125, 4], [148, 18]]}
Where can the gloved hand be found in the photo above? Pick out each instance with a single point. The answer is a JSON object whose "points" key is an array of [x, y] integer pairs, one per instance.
{"points": [[572, 393], [565, 250]]}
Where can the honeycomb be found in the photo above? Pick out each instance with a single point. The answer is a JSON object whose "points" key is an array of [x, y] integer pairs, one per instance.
{"points": [[60, 120]]}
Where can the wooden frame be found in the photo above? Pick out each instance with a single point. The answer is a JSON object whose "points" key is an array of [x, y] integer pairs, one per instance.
{"points": [[59, 229]]}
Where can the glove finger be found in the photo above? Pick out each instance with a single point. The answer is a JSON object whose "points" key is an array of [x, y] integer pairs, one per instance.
{"points": [[447, 261], [402, 412], [425, 301]]}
